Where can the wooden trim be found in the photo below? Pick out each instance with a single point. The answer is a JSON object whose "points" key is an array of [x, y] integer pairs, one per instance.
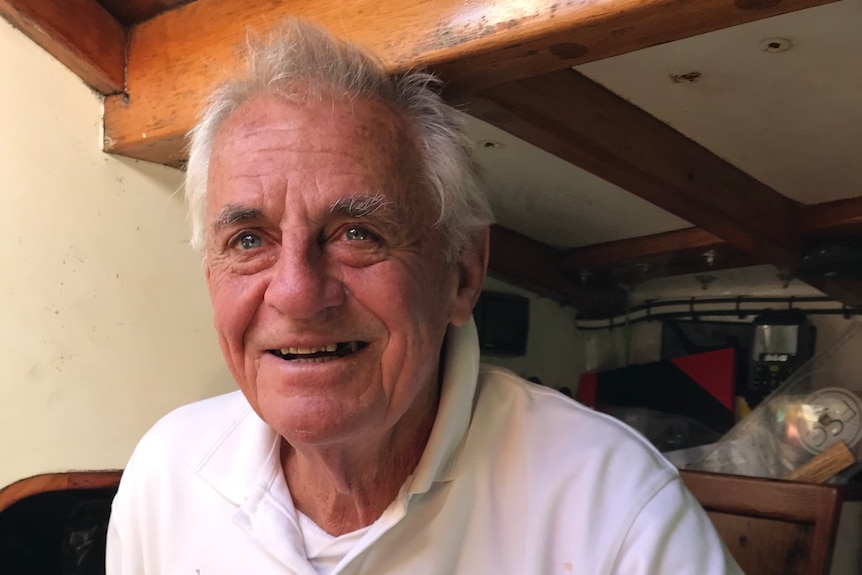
{"points": [[683, 251], [79, 33], [828, 218], [819, 505], [176, 57], [837, 216], [610, 254], [57, 482], [759, 497], [632, 261]]}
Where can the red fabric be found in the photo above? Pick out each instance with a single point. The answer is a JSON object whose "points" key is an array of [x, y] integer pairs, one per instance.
{"points": [[712, 370], [587, 389]]}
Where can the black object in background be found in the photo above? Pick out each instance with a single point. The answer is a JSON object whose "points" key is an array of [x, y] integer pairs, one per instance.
{"points": [[664, 387], [503, 322], [782, 342], [56, 533]]}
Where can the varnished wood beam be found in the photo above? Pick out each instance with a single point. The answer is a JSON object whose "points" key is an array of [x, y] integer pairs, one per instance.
{"points": [[572, 117], [51, 482], [533, 265], [79, 33], [693, 250], [634, 260], [175, 57], [639, 250], [828, 219], [833, 218]]}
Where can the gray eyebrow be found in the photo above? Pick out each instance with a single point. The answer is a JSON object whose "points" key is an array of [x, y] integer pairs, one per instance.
{"points": [[232, 214], [377, 205]]}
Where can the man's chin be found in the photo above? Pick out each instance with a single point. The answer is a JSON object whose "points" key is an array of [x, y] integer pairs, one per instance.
{"points": [[314, 421]]}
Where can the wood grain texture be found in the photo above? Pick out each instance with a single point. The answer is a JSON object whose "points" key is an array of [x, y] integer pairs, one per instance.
{"points": [[79, 33], [755, 508], [176, 57], [766, 546], [824, 465], [57, 482]]}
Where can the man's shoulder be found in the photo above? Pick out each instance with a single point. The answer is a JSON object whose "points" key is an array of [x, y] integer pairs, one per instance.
{"points": [[189, 427], [559, 428], [203, 412]]}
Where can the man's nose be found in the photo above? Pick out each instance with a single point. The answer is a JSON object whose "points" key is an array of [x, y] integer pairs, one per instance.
{"points": [[304, 284]]}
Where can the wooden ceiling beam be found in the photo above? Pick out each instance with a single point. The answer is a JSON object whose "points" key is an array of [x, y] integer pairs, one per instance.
{"points": [[836, 218], [631, 261], [537, 267], [79, 33], [841, 217], [644, 249], [693, 250], [175, 57], [572, 117]]}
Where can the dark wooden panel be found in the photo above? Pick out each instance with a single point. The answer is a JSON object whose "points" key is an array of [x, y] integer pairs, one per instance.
{"points": [[785, 523], [767, 546], [130, 12]]}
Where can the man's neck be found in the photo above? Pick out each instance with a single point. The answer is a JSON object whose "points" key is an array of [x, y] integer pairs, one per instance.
{"points": [[343, 488]]}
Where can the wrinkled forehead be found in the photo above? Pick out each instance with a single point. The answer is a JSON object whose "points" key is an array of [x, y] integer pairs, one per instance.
{"points": [[359, 130]]}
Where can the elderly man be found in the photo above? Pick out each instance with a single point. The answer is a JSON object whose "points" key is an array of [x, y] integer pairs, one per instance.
{"points": [[345, 242]]}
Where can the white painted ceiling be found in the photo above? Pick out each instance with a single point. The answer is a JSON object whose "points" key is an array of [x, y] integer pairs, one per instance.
{"points": [[792, 119]]}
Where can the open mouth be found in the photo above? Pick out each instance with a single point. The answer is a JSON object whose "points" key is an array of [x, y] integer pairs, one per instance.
{"points": [[319, 354]]}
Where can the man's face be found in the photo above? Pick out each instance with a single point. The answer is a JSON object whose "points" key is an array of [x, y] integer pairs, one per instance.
{"points": [[329, 282]]}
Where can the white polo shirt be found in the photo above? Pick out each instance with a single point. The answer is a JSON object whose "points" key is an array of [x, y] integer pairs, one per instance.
{"points": [[516, 479]]}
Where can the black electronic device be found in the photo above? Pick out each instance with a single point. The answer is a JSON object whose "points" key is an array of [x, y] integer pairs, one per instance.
{"points": [[503, 322], [783, 341]]}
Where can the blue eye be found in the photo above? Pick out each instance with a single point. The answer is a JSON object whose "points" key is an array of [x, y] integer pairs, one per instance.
{"points": [[249, 241], [357, 234]]}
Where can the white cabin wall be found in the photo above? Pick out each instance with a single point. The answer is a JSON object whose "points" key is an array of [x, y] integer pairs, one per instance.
{"points": [[106, 320], [555, 348]]}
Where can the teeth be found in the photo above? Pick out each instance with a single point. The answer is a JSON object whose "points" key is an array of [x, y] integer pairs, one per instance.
{"points": [[309, 350]]}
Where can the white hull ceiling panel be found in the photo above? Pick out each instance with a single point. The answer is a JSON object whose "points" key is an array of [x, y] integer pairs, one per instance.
{"points": [[779, 98]]}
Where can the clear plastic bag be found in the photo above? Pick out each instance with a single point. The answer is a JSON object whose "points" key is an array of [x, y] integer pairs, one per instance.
{"points": [[817, 407]]}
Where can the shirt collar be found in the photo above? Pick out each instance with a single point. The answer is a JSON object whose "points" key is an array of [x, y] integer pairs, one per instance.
{"points": [[460, 375], [243, 459]]}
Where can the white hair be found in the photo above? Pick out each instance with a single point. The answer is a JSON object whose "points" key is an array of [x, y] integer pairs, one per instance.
{"points": [[297, 55]]}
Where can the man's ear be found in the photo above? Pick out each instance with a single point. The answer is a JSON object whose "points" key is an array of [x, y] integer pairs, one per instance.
{"points": [[472, 267]]}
